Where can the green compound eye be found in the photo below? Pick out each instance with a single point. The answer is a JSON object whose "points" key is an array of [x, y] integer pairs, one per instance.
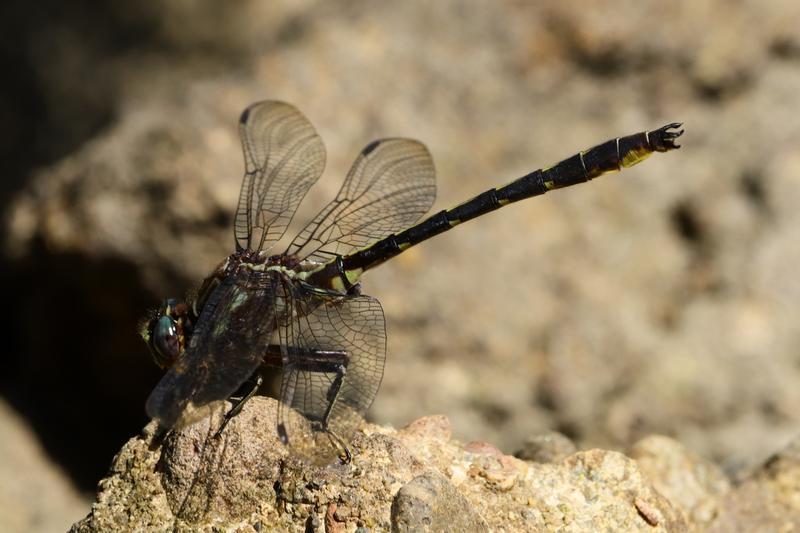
{"points": [[164, 341]]}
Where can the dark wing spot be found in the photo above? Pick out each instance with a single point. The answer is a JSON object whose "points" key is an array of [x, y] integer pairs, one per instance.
{"points": [[370, 147], [245, 115]]}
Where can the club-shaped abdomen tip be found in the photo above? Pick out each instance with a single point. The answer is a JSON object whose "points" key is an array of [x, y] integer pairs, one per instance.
{"points": [[663, 139]]}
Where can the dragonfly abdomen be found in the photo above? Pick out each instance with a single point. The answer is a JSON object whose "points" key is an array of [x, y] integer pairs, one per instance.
{"points": [[610, 156]]}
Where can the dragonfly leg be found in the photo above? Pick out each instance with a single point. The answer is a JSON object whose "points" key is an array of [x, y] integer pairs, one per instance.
{"points": [[338, 441], [335, 439], [327, 362], [333, 392], [239, 402], [332, 395]]}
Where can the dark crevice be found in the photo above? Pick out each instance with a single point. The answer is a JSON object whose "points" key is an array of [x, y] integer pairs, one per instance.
{"points": [[702, 276], [611, 60], [569, 429], [752, 187], [687, 224], [495, 415], [720, 90], [74, 365], [785, 48], [545, 397]]}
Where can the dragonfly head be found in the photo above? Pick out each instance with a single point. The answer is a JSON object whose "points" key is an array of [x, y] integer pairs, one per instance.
{"points": [[165, 330]]}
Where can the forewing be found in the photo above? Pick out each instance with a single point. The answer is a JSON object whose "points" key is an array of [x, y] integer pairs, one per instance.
{"points": [[227, 346], [350, 324], [390, 186], [283, 156]]}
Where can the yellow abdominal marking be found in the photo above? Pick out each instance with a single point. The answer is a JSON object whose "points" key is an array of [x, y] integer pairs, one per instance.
{"points": [[635, 156], [353, 275], [337, 283]]}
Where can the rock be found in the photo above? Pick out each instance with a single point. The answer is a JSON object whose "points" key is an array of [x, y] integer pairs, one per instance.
{"points": [[192, 479], [768, 500], [546, 448], [409, 479], [429, 502], [420, 479], [605, 491], [692, 484]]}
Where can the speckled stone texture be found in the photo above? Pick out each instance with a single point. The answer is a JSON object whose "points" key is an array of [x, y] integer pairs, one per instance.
{"points": [[419, 479]]}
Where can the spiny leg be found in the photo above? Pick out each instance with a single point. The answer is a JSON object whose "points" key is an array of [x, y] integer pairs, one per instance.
{"points": [[332, 396], [272, 357], [327, 362], [324, 362], [333, 392], [255, 384]]}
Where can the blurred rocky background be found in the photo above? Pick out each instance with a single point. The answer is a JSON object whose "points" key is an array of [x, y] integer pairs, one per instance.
{"points": [[661, 300]]}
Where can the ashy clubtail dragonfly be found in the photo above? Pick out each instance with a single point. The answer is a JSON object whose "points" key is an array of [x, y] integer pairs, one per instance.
{"points": [[303, 309]]}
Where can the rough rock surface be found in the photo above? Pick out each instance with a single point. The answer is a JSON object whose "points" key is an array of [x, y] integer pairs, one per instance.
{"points": [[413, 479], [419, 479], [694, 485], [768, 500], [429, 502]]}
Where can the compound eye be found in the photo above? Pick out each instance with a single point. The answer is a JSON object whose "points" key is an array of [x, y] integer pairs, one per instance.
{"points": [[164, 341]]}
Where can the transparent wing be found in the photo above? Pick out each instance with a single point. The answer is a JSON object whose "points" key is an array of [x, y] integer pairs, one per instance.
{"points": [[391, 185], [283, 157], [323, 404], [227, 346]]}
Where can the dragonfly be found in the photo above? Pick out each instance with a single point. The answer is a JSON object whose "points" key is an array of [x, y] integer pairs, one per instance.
{"points": [[302, 310]]}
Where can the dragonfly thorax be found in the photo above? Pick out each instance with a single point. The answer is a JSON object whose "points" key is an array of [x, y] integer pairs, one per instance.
{"points": [[290, 266]]}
